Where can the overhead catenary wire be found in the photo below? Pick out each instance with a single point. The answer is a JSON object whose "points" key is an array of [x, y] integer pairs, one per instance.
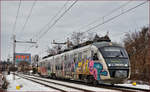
{"points": [[106, 21], [14, 26], [30, 12], [58, 19], [107, 14], [116, 16], [39, 32], [51, 19], [112, 18], [102, 18], [29, 15]]}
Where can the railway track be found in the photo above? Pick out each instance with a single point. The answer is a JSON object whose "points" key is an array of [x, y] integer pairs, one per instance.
{"points": [[108, 86], [61, 86], [68, 83]]}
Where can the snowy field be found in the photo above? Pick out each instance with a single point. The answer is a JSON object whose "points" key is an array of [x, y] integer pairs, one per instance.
{"points": [[26, 85]]}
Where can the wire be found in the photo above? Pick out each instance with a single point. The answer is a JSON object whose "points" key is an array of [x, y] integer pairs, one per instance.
{"points": [[14, 27], [53, 18], [115, 17], [58, 19], [29, 15], [109, 13]]}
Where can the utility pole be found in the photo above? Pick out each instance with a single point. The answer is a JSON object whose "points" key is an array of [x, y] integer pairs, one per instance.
{"points": [[14, 50]]}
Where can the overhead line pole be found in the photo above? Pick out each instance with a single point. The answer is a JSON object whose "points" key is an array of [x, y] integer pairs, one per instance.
{"points": [[14, 50]]}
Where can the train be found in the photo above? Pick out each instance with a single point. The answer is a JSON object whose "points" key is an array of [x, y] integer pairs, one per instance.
{"points": [[98, 62]]}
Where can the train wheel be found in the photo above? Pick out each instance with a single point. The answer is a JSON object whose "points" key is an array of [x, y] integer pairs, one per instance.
{"points": [[112, 84], [89, 79], [54, 77], [95, 82]]}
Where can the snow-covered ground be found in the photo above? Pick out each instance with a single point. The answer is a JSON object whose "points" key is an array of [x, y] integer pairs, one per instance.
{"points": [[142, 86], [77, 85], [139, 84], [32, 86], [26, 85]]}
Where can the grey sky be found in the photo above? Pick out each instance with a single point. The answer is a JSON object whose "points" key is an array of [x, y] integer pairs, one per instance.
{"points": [[81, 14]]}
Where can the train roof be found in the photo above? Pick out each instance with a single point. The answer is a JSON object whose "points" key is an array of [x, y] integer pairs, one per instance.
{"points": [[102, 44], [98, 42]]}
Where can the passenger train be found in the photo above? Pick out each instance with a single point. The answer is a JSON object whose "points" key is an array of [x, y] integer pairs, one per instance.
{"points": [[98, 62]]}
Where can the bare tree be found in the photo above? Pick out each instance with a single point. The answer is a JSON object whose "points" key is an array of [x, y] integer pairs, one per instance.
{"points": [[77, 37], [35, 60], [90, 36], [137, 46]]}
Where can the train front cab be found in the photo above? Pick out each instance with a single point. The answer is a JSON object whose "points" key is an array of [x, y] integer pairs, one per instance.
{"points": [[115, 62]]}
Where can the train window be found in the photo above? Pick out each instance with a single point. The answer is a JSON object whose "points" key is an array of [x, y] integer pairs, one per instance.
{"points": [[84, 55], [75, 58], [80, 56], [56, 67], [95, 57], [48, 65], [67, 58], [61, 68], [92, 54], [113, 52], [62, 58], [70, 57], [44, 64]]}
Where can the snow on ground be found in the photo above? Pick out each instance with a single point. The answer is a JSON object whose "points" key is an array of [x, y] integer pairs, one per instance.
{"points": [[142, 86], [26, 85], [79, 85]]}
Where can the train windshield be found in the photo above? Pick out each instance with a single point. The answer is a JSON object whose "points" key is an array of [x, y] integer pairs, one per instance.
{"points": [[113, 52]]}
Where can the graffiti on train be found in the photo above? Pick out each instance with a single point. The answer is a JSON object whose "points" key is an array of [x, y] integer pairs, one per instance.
{"points": [[89, 67]]}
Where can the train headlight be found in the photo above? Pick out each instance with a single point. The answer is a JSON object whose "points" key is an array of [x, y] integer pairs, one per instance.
{"points": [[109, 65], [126, 65]]}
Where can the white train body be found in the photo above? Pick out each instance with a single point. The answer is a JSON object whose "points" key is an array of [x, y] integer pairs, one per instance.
{"points": [[100, 61]]}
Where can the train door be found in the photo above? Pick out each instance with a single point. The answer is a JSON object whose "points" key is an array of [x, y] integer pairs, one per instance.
{"points": [[49, 68], [53, 68], [44, 68], [65, 66], [74, 66], [62, 65]]}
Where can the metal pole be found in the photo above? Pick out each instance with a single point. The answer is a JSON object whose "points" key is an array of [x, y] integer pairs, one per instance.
{"points": [[14, 49]]}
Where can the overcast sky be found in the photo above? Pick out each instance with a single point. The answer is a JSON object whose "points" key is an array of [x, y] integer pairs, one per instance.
{"points": [[80, 15]]}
